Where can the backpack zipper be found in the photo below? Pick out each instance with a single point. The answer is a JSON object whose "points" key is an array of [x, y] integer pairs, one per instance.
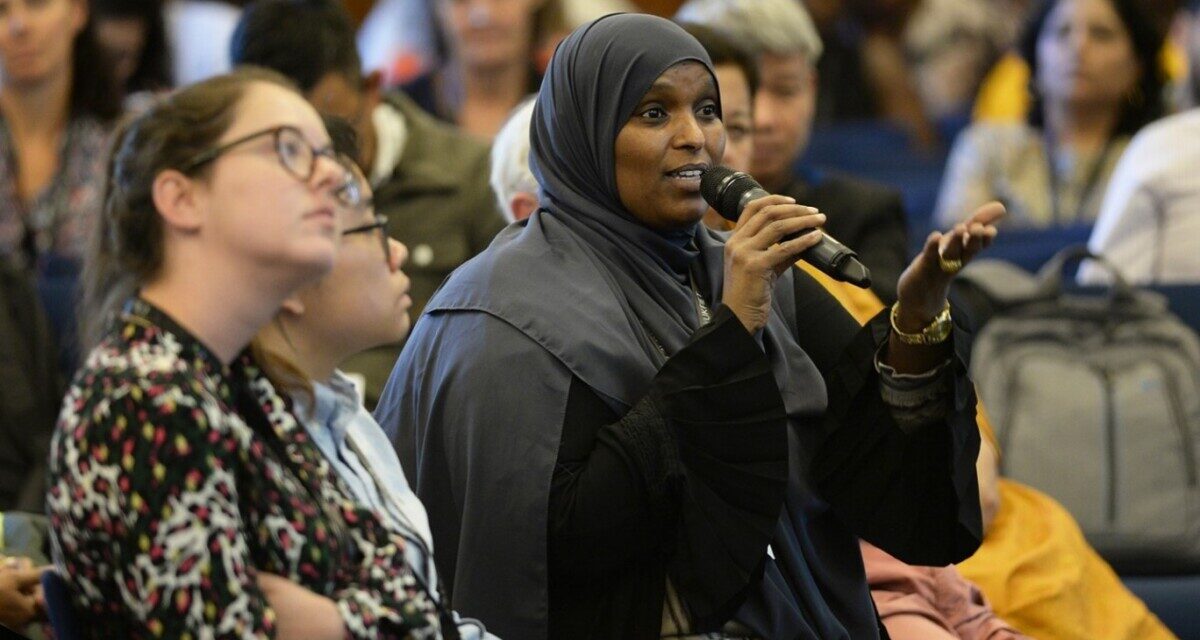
{"points": [[1110, 436]]}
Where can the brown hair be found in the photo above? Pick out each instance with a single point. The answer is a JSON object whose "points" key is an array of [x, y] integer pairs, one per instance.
{"points": [[126, 247], [285, 375]]}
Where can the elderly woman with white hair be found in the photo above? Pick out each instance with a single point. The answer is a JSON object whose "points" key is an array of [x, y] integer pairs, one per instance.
{"points": [[867, 217], [511, 180]]}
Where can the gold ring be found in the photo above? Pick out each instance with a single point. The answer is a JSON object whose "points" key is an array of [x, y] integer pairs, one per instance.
{"points": [[949, 266]]}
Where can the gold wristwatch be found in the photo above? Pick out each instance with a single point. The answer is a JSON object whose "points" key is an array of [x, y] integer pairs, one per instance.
{"points": [[935, 332]]}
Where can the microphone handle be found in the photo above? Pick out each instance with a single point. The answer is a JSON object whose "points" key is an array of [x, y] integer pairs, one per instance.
{"points": [[828, 255]]}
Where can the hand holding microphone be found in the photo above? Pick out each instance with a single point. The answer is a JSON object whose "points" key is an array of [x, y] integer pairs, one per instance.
{"points": [[731, 193], [771, 233]]}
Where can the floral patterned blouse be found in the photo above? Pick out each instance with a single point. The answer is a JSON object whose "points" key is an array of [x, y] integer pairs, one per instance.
{"points": [[174, 480], [56, 220]]}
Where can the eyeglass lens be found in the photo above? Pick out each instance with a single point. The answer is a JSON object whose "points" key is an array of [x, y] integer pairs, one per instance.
{"points": [[299, 158]]}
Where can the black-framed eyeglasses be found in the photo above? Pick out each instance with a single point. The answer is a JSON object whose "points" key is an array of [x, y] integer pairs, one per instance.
{"points": [[379, 226], [296, 155]]}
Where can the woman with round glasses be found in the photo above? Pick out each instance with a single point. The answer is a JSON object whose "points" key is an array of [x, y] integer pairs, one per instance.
{"points": [[185, 500], [302, 348]]}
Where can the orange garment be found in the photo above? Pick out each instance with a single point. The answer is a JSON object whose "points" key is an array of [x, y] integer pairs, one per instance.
{"points": [[1041, 575], [1035, 568], [863, 304]]}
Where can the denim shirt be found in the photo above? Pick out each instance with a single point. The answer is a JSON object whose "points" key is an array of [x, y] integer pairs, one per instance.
{"points": [[361, 454]]}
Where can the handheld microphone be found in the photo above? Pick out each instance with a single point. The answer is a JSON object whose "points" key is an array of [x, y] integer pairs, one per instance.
{"points": [[728, 192]]}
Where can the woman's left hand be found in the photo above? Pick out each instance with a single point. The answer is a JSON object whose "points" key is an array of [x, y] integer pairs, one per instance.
{"points": [[924, 284]]}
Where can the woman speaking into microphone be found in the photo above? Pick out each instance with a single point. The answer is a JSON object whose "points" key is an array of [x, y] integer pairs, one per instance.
{"points": [[624, 425]]}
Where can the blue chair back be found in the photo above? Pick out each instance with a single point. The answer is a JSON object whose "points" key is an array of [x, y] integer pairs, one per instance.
{"points": [[1173, 599], [59, 608], [883, 153], [1184, 301]]}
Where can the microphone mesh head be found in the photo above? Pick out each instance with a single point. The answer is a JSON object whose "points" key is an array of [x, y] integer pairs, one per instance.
{"points": [[713, 182], [723, 187]]}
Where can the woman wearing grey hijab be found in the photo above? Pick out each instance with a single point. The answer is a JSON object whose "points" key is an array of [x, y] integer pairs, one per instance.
{"points": [[625, 425]]}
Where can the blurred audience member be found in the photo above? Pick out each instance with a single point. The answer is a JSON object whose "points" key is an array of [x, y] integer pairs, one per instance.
{"points": [[430, 179], [951, 45], [398, 37], [135, 36], [397, 40], [1150, 222], [1096, 81], [1186, 31], [488, 60], [868, 218], [1005, 96], [198, 32], [513, 183], [865, 73], [57, 104], [1012, 16], [30, 393], [845, 92]]}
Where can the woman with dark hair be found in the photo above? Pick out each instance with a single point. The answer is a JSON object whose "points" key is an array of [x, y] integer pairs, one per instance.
{"points": [[184, 499], [57, 106], [1095, 80], [626, 425], [134, 35], [489, 52]]}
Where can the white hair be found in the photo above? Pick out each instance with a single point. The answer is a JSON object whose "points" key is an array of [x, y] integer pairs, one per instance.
{"points": [[781, 27], [510, 158]]}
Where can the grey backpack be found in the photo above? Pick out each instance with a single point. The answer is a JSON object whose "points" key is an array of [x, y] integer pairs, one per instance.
{"points": [[1096, 401]]}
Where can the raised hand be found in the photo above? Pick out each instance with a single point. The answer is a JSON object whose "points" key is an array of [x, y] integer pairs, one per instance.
{"points": [[924, 284]]}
